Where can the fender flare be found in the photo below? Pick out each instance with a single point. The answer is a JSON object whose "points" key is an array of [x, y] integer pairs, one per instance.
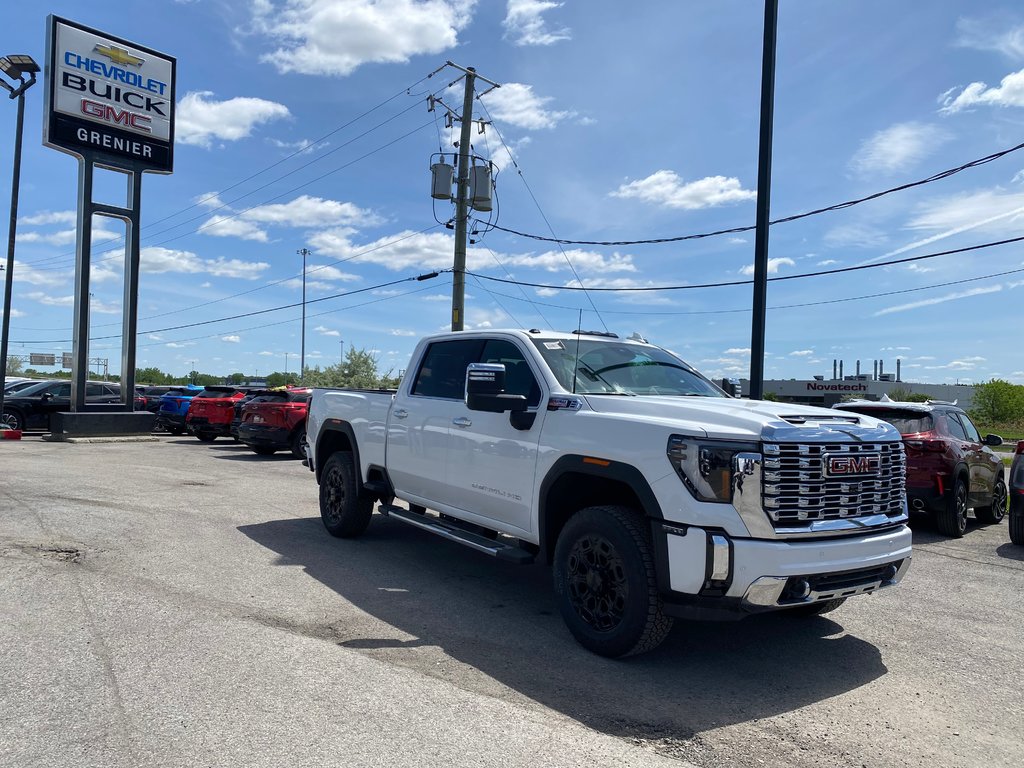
{"points": [[616, 471], [337, 425]]}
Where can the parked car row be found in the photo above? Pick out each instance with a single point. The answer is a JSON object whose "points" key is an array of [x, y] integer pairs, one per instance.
{"points": [[267, 420], [951, 468], [29, 406]]}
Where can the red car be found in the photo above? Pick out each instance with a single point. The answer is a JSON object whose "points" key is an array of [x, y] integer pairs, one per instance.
{"points": [[950, 467], [275, 420], [209, 416], [1017, 496]]}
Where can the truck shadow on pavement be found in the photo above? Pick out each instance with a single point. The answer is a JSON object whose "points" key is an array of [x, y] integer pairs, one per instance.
{"points": [[502, 621]]}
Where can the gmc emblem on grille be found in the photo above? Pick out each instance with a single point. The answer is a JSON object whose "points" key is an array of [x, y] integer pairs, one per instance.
{"points": [[858, 464]]}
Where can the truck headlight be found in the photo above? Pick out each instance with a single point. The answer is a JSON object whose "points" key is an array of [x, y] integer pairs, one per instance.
{"points": [[706, 467]]}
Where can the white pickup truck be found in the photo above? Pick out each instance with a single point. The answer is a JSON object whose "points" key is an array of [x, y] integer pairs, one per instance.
{"points": [[651, 492]]}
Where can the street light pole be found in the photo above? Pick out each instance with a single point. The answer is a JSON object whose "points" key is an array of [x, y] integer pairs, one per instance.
{"points": [[14, 67], [303, 252]]}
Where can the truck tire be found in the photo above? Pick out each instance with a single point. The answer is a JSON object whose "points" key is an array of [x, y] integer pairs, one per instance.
{"points": [[816, 609], [344, 511], [1017, 527], [951, 520], [997, 511], [605, 583]]}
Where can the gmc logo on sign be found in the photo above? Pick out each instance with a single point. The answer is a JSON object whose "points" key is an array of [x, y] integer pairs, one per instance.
{"points": [[862, 464]]}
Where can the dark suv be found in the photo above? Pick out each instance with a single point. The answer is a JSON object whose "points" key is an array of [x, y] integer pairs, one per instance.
{"points": [[950, 468], [1017, 496]]}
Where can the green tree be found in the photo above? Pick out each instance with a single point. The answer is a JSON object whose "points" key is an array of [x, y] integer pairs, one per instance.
{"points": [[906, 396], [998, 402], [278, 379], [13, 365], [359, 371], [152, 376], [236, 378]]}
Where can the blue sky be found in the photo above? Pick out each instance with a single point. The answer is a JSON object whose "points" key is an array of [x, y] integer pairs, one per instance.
{"points": [[626, 121]]}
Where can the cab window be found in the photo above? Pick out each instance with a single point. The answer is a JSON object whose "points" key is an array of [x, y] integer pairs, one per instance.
{"points": [[519, 379], [969, 428], [954, 427], [443, 370]]}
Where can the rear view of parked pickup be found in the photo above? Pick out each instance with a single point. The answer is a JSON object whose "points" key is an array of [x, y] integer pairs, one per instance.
{"points": [[652, 493]]}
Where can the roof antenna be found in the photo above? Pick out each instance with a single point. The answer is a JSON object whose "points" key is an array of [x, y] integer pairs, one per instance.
{"points": [[576, 362]]}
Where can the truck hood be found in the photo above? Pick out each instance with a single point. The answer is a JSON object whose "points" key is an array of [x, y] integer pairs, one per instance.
{"points": [[733, 419]]}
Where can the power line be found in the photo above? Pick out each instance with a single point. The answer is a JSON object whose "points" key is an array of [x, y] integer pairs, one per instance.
{"points": [[420, 278], [216, 195], [749, 282], [736, 230], [519, 172], [676, 313]]}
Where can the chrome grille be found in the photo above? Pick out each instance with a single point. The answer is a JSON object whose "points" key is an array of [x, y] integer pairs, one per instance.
{"points": [[796, 487]]}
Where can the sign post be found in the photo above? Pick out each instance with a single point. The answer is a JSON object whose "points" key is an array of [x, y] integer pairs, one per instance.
{"points": [[110, 103]]}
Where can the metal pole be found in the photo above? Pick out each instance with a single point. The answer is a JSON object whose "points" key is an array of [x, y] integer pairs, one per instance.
{"points": [[764, 181], [462, 207], [302, 360], [342, 358], [133, 245], [11, 234], [83, 250]]}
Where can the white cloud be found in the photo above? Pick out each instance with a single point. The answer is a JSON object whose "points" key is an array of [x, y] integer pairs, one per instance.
{"points": [[201, 119], [207, 284], [323, 329], [182, 345], [517, 104], [666, 189], [231, 339], [855, 235], [736, 240], [801, 353], [939, 300], [1009, 93], [737, 351], [827, 263], [220, 226], [773, 265], [400, 332], [51, 301], [155, 337], [524, 23], [335, 37], [307, 211], [265, 353], [26, 273], [991, 34], [898, 148], [50, 217], [209, 200], [159, 260]]}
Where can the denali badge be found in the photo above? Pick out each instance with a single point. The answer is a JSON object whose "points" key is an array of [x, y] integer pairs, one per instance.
{"points": [[856, 464]]}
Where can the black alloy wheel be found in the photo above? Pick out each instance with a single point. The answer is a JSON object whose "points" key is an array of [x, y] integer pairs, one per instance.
{"points": [[13, 419], [605, 583], [952, 519], [997, 511], [344, 510]]}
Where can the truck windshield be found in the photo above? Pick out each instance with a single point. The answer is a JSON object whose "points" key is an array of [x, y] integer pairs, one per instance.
{"points": [[608, 367]]}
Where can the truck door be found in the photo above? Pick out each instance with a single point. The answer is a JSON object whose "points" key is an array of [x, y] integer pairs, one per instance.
{"points": [[421, 418], [492, 464]]}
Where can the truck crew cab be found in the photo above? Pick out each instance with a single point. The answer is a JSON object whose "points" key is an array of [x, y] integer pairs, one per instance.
{"points": [[651, 492]]}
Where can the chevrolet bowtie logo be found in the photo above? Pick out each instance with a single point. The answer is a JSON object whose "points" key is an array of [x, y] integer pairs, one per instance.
{"points": [[118, 55]]}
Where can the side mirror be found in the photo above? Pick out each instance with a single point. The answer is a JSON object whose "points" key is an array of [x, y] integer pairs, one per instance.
{"points": [[485, 390], [993, 440], [46, 396]]}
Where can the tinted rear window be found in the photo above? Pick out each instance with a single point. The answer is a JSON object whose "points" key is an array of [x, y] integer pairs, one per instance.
{"points": [[216, 393], [907, 422]]}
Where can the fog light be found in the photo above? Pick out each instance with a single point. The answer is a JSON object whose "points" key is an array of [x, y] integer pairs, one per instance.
{"points": [[801, 589]]}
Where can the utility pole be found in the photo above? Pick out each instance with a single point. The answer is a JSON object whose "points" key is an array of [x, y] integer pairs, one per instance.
{"points": [[285, 367], [462, 207], [462, 196], [764, 182], [341, 359], [303, 252]]}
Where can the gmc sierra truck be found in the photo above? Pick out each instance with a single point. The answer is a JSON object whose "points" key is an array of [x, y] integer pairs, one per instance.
{"points": [[651, 492]]}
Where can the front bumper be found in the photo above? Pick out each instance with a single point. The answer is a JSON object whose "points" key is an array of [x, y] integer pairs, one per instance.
{"points": [[165, 420], [704, 571]]}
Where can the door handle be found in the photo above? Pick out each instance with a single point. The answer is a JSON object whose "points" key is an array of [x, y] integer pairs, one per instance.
{"points": [[462, 421], [400, 413]]}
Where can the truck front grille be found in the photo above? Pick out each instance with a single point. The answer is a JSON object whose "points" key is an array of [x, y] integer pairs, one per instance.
{"points": [[832, 481]]}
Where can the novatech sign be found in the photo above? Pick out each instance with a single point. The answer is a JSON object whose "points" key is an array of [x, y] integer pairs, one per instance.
{"points": [[815, 386], [109, 98]]}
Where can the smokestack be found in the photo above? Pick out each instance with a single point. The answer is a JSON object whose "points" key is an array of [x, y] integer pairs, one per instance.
{"points": [[858, 367], [898, 361], [834, 364], [840, 369], [881, 366], [874, 373]]}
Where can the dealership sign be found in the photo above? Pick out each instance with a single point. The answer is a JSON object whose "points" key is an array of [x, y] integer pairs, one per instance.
{"points": [[109, 99]]}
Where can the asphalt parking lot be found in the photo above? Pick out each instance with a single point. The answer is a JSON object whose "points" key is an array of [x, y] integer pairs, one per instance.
{"points": [[175, 603]]}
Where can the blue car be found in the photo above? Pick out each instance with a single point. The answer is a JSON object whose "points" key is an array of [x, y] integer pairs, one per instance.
{"points": [[173, 408]]}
